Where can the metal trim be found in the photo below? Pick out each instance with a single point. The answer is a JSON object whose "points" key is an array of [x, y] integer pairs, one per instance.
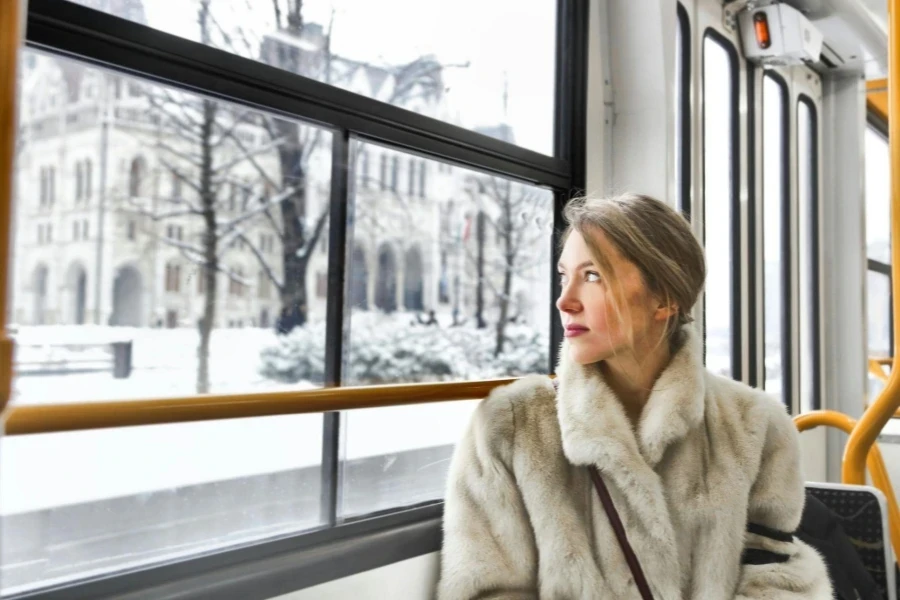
{"points": [[785, 246], [752, 236], [111, 42], [816, 337], [878, 266], [877, 123], [274, 567], [684, 90], [334, 321]]}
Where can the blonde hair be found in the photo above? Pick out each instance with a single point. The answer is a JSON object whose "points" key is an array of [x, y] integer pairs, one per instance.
{"points": [[652, 236]]}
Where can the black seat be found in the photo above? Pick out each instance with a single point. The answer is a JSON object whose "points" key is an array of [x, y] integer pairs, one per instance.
{"points": [[861, 513]]}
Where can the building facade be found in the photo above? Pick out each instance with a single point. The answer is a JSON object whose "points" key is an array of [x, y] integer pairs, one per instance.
{"points": [[114, 210]]}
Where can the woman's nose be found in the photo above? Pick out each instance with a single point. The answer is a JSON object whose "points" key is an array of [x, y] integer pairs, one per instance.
{"points": [[567, 301]]}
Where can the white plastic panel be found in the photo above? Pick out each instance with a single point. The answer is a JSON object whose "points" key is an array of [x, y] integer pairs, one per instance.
{"points": [[413, 579]]}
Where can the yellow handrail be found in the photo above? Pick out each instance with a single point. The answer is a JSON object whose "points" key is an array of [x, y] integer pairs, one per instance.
{"points": [[876, 368], [10, 23], [875, 462], [46, 418], [874, 419]]}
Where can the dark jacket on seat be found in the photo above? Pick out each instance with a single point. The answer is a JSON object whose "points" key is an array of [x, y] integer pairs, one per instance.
{"points": [[821, 529]]}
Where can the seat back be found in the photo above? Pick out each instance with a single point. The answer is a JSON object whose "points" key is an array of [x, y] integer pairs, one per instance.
{"points": [[862, 511]]}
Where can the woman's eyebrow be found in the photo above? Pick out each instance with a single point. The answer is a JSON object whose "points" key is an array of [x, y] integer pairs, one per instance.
{"points": [[587, 263]]}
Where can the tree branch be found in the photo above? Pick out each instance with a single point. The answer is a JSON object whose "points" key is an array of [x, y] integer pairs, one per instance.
{"points": [[262, 262], [249, 154], [307, 249], [185, 157], [224, 229], [251, 158]]}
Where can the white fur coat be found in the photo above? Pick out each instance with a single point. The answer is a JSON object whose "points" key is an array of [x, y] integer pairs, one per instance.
{"points": [[711, 460]]}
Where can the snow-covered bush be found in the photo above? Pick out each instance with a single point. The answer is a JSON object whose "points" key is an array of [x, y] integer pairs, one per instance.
{"points": [[396, 348], [525, 351], [297, 356]]}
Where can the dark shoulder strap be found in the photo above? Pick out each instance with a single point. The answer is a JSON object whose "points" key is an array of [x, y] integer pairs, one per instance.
{"points": [[619, 529]]}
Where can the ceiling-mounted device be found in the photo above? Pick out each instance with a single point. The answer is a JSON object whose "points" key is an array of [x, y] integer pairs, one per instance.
{"points": [[779, 35]]}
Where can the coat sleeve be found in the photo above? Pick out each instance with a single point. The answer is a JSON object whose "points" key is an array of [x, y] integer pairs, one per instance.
{"points": [[489, 550], [775, 564]]}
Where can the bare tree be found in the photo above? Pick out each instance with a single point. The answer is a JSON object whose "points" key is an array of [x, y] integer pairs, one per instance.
{"points": [[297, 226], [196, 150], [512, 213]]}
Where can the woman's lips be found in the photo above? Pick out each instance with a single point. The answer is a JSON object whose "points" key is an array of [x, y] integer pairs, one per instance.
{"points": [[575, 330]]}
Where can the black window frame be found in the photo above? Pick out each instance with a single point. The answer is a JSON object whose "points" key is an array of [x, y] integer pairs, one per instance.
{"points": [[735, 200], [812, 217], [683, 110], [785, 245], [271, 567]]}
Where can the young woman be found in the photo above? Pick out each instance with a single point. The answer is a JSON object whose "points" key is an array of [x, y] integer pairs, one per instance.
{"points": [[703, 471]]}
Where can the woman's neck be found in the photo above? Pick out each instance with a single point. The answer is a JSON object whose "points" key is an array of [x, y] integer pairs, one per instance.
{"points": [[632, 377]]}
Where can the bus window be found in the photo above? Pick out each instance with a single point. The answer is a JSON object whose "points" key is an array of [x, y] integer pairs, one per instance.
{"points": [[775, 249], [440, 290], [878, 246], [721, 305]]}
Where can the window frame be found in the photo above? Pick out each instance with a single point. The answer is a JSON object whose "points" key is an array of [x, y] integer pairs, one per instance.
{"points": [[814, 250], [271, 567], [716, 37], [683, 110], [784, 235]]}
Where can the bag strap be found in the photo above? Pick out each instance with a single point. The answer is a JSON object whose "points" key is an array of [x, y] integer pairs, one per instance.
{"points": [[619, 529]]}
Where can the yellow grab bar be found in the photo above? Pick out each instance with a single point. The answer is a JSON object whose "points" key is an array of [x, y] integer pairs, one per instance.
{"points": [[47, 418], [10, 23], [880, 478], [876, 368], [874, 419]]}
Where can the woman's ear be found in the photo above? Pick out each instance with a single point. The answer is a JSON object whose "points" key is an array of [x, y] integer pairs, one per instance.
{"points": [[665, 311]]}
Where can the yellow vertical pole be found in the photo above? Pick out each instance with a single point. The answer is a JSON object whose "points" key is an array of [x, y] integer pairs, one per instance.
{"points": [[10, 25], [878, 414]]}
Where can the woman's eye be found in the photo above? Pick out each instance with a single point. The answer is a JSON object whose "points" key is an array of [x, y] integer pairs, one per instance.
{"points": [[592, 277], [562, 278]]}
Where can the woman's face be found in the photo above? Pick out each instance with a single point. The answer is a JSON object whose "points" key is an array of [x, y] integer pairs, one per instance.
{"points": [[593, 327]]}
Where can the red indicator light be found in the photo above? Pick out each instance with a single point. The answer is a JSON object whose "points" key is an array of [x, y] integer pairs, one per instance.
{"points": [[761, 26]]}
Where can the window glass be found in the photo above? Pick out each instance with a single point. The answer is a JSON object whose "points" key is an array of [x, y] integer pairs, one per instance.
{"points": [[807, 175], [878, 196], [878, 206], [136, 293], [82, 504], [124, 317], [774, 252], [494, 74], [878, 245], [718, 171], [878, 313], [484, 244]]}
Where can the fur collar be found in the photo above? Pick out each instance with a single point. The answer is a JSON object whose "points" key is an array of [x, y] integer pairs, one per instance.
{"points": [[594, 426]]}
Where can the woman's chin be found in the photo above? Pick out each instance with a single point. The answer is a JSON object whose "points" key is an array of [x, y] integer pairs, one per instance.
{"points": [[586, 356]]}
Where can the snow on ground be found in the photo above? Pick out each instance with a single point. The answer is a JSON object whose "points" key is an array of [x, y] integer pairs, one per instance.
{"points": [[164, 363], [41, 471]]}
